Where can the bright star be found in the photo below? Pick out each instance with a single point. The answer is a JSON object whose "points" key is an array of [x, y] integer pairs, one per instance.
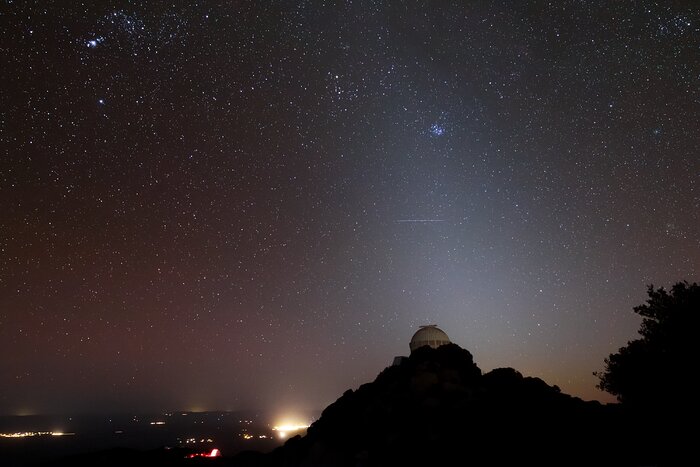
{"points": [[92, 43]]}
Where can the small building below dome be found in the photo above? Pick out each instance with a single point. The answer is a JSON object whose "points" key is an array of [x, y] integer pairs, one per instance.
{"points": [[429, 335]]}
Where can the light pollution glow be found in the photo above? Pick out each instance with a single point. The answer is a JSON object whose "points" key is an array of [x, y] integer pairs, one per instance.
{"points": [[284, 429]]}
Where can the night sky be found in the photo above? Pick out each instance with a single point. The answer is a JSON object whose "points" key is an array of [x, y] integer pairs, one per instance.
{"points": [[232, 205]]}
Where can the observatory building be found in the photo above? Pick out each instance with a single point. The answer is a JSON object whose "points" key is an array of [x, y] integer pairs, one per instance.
{"points": [[429, 335]]}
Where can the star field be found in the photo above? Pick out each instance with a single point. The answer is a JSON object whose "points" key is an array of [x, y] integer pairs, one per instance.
{"points": [[228, 205]]}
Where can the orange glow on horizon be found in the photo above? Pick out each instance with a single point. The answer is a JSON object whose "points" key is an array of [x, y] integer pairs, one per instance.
{"points": [[289, 428]]}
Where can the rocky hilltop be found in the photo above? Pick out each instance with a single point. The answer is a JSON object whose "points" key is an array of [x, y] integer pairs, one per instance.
{"points": [[437, 407]]}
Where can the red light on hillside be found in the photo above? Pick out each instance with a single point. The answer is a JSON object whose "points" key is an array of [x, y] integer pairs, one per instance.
{"points": [[214, 453]]}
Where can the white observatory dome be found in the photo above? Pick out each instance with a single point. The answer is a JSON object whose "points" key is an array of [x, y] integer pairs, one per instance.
{"points": [[429, 335]]}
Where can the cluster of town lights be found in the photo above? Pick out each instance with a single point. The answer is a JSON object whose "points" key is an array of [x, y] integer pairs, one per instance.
{"points": [[28, 434]]}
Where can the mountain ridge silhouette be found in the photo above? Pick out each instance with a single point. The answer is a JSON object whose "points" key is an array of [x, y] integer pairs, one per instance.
{"points": [[437, 406]]}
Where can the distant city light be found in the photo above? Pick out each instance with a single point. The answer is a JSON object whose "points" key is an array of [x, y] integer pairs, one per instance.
{"points": [[158, 423], [195, 440], [284, 429], [29, 434], [214, 453], [23, 434], [289, 427]]}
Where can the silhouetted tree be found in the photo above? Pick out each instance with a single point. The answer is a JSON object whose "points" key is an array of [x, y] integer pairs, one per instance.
{"points": [[659, 368]]}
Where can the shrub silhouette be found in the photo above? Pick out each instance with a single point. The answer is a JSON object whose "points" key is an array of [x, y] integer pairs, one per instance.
{"points": [[655, 371]]}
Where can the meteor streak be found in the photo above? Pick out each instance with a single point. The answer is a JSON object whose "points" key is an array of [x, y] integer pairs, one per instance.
{"points": [[420, 220]]}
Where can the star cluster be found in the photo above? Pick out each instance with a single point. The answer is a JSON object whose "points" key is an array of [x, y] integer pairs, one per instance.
{"points": [[249, 204]]}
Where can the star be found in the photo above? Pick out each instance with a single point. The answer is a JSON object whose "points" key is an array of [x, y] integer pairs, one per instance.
{"points": [[92, 43]]}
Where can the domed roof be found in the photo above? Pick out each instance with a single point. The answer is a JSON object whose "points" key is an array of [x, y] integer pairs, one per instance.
{"points": [[429, 335]]}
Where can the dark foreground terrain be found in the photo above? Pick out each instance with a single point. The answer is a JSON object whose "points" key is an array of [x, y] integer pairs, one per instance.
{"points": [[437, 406]]}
